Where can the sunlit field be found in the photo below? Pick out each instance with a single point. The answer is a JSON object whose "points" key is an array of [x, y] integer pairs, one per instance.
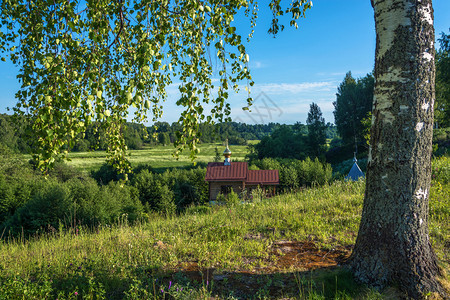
{"points": [[156, 156]]}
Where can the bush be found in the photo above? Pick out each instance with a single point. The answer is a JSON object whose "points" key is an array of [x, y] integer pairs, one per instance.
{"points": [[289, 178], [313, 172], [441, 142], [153, 192], [121, 200], [64, 172], [297, 173], [45, 210], [258, 194], [18, 184], [75, 202], [165, 203], [232, 198], [186, 187], [221, 198], [106, 174], [269, 164]]}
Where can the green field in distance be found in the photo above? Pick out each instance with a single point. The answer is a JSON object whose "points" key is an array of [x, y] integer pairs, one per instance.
{"points": [[156, 156]]}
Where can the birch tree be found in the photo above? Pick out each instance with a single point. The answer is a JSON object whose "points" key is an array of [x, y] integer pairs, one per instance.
{"points": [[96, 60], [393, 244]]}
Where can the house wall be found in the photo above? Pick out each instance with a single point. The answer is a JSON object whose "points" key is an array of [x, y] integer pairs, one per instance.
{"points": [[216, 187]]}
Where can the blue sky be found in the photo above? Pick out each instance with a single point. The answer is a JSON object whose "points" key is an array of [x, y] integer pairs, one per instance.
{"points": [[294, 69]]}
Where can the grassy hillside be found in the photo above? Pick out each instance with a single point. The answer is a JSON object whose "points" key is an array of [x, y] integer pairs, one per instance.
{"points": [[156, 156], [286, 247]]}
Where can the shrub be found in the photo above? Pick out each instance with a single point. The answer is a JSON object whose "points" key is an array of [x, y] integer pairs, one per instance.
{"points": [[5, 151], [75, 202], [106, 174], [18, 184], [297, 173], [121, 200], [269, 164], [165, 203], [258, 194], [221, 198], [232, 198], [64, 172], [87, 207], [313, 172], [45, 210], [289, 178], [153, 193], [187, 187]]}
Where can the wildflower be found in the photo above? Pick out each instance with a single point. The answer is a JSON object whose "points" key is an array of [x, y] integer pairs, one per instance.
{"points": [[76, 293], [170, 284], [207, 282], [162, 291]]}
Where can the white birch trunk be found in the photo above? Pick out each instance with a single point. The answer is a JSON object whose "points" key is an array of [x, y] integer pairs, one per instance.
{"points": [[393, 244]]}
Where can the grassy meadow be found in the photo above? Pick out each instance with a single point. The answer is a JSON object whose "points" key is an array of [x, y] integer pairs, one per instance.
{"points": [[291, 246], [157, 156], [287, 247]]}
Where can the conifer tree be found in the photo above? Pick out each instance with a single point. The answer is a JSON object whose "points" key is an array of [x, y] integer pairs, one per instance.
{"points": [[316, 131]]}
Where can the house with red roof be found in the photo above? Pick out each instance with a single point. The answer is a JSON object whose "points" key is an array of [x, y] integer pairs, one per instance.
{"points": [[226, 176]]}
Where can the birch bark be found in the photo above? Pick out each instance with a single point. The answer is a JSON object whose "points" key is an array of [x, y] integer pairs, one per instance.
{"points": [[393, 245]]}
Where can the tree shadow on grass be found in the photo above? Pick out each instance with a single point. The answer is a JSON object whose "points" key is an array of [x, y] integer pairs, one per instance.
{"points": [[297, 270]]}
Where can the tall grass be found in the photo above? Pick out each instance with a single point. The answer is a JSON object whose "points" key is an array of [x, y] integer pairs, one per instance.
{"points": [[153, 258]]}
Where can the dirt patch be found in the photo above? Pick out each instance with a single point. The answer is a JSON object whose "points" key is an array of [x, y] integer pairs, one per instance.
{"points": [[288, 261], [284, 256], [306, 256]]}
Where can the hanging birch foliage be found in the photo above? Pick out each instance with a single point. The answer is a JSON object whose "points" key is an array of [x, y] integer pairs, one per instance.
{"points": [[86, 61]]}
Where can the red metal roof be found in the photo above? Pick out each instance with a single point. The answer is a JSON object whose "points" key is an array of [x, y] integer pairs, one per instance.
{"points": [[216, 171], [262, 177], [238, 171]]}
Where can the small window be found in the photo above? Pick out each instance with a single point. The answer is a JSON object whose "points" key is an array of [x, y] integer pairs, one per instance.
{"points": [[225, 189]]}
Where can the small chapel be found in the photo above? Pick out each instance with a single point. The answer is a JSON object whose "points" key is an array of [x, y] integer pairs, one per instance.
{"points": [[227, 175]]}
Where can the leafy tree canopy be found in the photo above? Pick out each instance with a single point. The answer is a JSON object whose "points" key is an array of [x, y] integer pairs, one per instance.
{"points": [[353, 101], [94, 60], [442, 106]]}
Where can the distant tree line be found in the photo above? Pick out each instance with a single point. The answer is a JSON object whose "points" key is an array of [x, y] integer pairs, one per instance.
{"points": [[16, 135]]}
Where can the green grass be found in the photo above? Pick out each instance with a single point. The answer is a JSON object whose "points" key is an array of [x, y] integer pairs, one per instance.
{"points": [[231, 249], [156, 156]]}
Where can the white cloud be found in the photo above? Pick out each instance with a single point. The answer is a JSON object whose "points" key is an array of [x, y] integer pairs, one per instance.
{"points": [[340, 74], [256, 65], [294, 88], [273, 102]]}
